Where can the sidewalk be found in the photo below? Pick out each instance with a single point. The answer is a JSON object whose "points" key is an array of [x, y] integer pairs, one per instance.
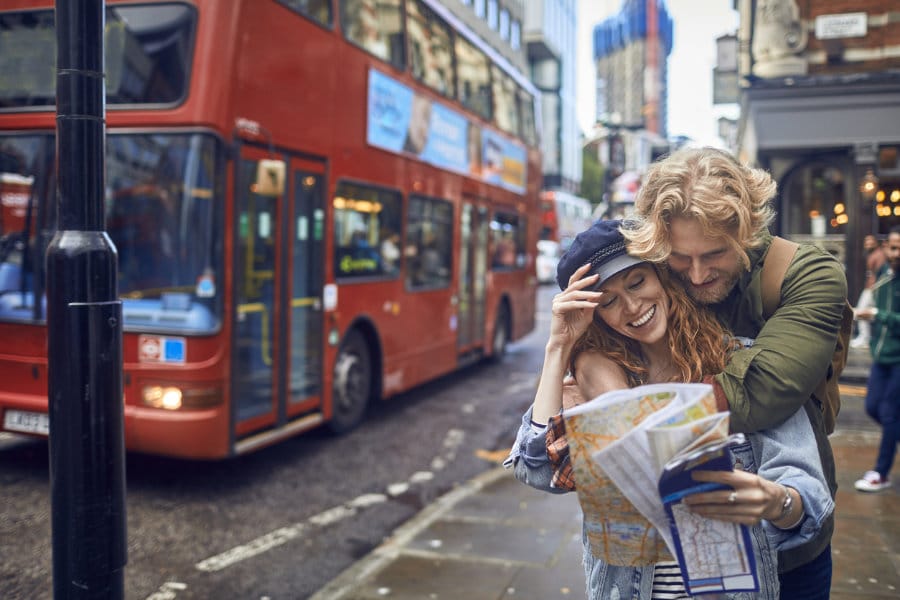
{"points": [[494, 538]]}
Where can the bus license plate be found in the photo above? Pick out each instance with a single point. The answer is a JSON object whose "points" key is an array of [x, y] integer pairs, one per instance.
{"points": [[27, 422]]}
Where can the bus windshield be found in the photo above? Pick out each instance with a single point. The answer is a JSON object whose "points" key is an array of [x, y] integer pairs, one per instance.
{"points": [[163, 206], [147, 55]]}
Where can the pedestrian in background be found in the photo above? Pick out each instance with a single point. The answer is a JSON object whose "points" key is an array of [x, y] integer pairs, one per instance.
{"points": [[883, 390], [876, 262], [707, 216]]}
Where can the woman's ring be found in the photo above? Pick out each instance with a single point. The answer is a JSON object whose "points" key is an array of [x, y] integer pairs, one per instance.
{"points": [[732, 497]]}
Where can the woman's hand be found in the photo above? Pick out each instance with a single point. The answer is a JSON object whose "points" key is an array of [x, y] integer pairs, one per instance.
{"points": [[749, 499], [573, 308]]}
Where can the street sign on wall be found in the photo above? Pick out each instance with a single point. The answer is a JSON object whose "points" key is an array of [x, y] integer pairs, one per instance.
{"points": [[725, 87]]}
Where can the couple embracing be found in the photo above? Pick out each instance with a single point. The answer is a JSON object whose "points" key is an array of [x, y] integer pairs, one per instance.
{"points": [[676, 296]]}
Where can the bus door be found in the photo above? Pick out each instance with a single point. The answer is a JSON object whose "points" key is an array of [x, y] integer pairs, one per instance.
{"points": [[278, 270], [473, 255], [304, 292]]}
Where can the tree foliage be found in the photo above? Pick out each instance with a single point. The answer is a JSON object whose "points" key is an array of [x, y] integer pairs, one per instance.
{"points": [[591, 176]]}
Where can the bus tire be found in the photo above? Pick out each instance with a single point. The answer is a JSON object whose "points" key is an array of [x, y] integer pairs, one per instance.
{"points": [[352, 386], [500, 338]]}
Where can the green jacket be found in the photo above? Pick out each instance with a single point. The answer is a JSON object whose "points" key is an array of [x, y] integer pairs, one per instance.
{"points": [[768, 382], [885, 340]]}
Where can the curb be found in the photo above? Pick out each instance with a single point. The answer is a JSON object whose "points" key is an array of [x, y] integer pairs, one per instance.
{"points": [[391, 548]]}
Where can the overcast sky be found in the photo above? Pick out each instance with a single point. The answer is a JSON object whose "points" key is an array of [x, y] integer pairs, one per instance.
{"points": [[697, 25]]}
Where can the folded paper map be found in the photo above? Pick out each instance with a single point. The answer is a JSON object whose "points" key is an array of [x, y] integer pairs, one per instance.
{"points": [[620, 445]]}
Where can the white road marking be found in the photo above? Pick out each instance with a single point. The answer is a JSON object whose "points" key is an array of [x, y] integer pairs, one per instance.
{"points": [[273, 539], [454, 438], [421, 476], [167, 591], [252, 548], [367, 500], [395, 489], [332, 515]]}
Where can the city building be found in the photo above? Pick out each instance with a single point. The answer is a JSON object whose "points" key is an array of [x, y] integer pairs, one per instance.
{"points": [[630, 53], [498, 22], [550, 43], [820, 109], [539, 38]]}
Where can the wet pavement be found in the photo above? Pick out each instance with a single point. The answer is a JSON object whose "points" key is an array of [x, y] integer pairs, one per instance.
{"points": [[494, 538]]}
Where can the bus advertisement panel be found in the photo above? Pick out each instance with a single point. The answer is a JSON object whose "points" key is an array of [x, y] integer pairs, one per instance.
{"points": [[401, 120], [285, 231]]}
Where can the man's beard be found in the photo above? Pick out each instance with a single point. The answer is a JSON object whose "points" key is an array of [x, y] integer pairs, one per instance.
{"points": [[895, 265], [712, 295]]}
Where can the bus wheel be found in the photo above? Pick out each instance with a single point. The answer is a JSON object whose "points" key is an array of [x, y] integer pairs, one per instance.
{"points": [[352, 383], [501, 334]]}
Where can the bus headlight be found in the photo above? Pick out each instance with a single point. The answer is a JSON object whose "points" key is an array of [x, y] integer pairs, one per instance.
{"points": [[176, 398], [157, 396]]}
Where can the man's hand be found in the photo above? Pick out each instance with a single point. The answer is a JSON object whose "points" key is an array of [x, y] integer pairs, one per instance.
{"points": [[865, 314]]}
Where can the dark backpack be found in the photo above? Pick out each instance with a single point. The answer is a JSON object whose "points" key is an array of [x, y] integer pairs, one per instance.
{"points": [[827, 392]]}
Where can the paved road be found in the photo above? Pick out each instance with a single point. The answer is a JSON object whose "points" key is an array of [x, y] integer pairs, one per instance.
{"points": [[283, 522]]}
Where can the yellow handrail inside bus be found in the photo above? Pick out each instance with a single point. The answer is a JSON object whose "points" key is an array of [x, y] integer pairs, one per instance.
{"points": [[265, 348], [298, 302]]}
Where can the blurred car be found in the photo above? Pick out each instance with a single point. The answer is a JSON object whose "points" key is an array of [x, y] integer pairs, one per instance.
{"points": [[548, 256]]}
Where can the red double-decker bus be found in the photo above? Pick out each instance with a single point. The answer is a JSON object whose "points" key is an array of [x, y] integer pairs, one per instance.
{"points": [[316, 204]]}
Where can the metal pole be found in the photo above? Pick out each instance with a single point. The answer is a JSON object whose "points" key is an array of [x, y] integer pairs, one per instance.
{"points": [[84, 328]]}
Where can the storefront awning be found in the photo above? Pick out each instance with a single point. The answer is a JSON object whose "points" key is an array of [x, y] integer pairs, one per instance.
{"points": [[819, 116]]}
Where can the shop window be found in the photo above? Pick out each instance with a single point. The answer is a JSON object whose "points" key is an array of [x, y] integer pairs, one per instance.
{"points": [[429, 243], [814, 207], [814, 201], [884, 197], [366, 231]]}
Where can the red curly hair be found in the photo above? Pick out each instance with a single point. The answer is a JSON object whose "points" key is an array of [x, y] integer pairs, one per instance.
{"points": [[696, 340]]}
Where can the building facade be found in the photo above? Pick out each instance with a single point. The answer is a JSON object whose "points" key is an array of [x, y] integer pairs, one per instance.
{"points": [[820, 109], [498, 22], [539, 38], [550, 42], [630, 53]]}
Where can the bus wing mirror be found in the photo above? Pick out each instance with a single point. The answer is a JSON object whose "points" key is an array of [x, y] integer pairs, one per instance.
{"points": [[270, 177]]}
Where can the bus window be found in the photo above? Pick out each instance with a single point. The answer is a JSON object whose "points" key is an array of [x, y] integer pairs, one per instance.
{"points": [[508, 241], [429, 243], [430, 51], [506, 113], [366, 222], [147, 55], [474, 76], [163, 216], [376, 26], [317, 10]]}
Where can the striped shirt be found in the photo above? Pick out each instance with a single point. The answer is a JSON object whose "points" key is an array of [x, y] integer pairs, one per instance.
{"points": [[667, 582]]}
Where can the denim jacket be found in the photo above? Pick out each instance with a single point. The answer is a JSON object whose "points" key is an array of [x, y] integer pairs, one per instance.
{"points": [[786, 454]]}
